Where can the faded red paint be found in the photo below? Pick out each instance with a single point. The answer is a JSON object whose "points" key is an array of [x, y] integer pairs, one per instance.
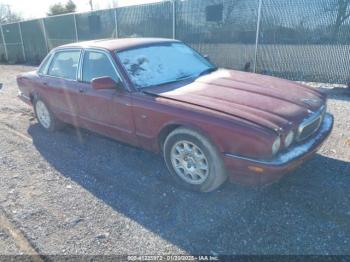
{"points": [[241, 113]]}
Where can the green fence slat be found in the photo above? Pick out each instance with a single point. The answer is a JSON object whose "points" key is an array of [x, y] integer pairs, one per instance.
{"points": [[298, 40], [60, 30], [225, 30], [2, 49], [96, 25], [151, 20], [34, 41], [13, 43]]}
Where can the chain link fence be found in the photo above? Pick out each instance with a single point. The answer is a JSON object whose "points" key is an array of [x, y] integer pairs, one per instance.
{"points": [[301, 39]]}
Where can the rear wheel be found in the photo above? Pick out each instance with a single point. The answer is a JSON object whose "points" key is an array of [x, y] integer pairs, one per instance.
{"points": [[193, 161], [45, 117]]}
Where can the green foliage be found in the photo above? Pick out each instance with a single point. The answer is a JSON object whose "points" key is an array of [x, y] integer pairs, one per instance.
{"points": [[59, 8], [70, 6]]}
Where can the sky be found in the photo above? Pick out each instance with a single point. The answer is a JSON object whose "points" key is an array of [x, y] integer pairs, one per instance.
{"points": [[29, 9]]}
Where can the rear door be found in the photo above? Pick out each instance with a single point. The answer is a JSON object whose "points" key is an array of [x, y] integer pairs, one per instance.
{"points": [[106, 111], [59, 84]]}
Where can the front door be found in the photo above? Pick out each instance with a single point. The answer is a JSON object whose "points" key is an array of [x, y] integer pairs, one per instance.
{"points": [[106, 111]]}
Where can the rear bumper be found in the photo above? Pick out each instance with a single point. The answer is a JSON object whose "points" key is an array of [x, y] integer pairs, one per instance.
{"points": [[258, 172]]}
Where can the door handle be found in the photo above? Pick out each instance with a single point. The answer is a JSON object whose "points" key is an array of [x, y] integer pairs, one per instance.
{"points": [[81, 90], [45, 83]]}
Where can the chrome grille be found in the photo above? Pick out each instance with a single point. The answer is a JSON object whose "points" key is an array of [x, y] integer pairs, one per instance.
{"points": [[311, 124]]}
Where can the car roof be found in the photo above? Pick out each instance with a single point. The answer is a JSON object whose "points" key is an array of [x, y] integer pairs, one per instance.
{"points": [[118, 44]]}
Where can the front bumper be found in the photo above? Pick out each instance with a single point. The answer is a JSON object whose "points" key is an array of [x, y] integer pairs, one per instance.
{"points": [[256, 172], [24, 98]]}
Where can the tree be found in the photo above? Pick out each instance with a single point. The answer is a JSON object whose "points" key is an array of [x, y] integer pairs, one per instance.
{"points": [[342, 10], [6, 16], [59, 8], [71, 6]]}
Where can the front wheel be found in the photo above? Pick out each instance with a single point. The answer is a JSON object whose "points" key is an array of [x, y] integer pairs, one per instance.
{"points": [[45, 117], [193, 161]]}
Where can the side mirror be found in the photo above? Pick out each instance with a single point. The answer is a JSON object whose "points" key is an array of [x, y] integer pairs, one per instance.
{"points": [[104, 82]]}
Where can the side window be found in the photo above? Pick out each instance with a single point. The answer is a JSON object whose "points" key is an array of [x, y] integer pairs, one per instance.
{"points": [[65, 64], [44, 65], [97, 64]]}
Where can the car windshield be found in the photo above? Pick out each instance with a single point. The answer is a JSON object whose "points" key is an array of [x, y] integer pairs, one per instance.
{"points": [[161, 64]]}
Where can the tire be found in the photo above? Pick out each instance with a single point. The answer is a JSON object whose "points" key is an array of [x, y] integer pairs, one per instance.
{"points": [[45, 117], [193, 161]]}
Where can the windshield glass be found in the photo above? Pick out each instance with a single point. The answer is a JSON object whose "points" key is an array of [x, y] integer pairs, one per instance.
{"points": [[160, 64]]}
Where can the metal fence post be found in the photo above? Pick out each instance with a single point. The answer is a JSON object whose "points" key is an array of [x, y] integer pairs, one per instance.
{"points": [[174, 19], [257, 36], [45, 35], [20, 35], [116, 23], [5, 47], [75, 28]]}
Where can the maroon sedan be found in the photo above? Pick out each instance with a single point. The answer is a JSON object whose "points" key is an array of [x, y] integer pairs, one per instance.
{"points": [[161, 95]]}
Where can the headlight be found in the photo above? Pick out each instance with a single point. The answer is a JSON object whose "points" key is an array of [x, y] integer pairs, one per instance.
{"points": [[276, 145], [289, 139]]}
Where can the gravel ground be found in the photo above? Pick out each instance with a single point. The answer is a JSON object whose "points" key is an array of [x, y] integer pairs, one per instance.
{"points": [[7, 244], [92, 195]]}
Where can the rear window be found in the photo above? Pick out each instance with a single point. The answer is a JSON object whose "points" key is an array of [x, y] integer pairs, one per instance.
{"points": [[65, 65]]}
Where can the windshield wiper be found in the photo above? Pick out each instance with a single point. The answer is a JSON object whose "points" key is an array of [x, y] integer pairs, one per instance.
{"points": [[207, 71], [174, 81]]}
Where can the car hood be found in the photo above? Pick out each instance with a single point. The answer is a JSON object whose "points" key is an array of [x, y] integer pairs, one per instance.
{"points": [[264, 100]]}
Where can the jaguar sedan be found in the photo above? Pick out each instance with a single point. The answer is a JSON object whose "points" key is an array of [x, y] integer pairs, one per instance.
{"points": [[210, 124]]}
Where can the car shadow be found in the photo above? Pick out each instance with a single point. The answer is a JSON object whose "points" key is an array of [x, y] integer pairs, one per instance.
{"points": [[292, 216]]}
